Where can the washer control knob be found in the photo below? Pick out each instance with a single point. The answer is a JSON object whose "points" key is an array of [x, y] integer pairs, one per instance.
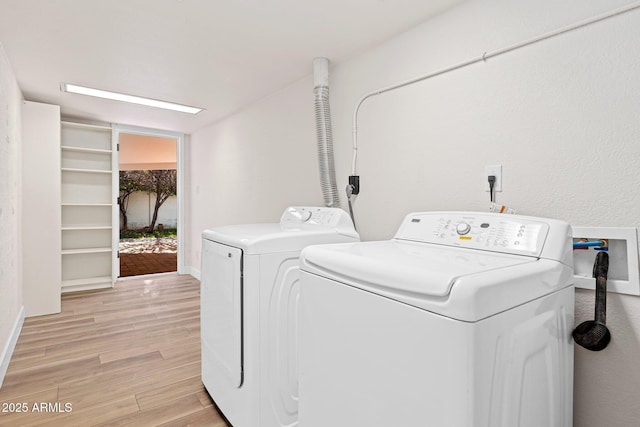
{"points": [[305, 216], [463, 228]]}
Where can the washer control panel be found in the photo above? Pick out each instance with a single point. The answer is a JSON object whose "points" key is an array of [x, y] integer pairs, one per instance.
{"points": [[491, 232]]}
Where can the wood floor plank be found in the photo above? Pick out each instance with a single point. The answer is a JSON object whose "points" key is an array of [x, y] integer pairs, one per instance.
{"points": [[158, 396], [134, 315], [119, 354], [129, 355], [47, 376], [91, 396], [158, 370], [186, 322], [172, 410], [27, 354], [54, 326], [123, 340], [204, 397], [52, 321], [189, 345], [206, 417], [64, 336]]}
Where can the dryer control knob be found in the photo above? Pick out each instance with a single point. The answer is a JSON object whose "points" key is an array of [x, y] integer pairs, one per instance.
{"points": [[463, 228], [305, 216]]}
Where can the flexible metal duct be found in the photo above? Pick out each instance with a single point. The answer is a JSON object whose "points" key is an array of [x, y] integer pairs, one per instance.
{"points": [[323, 132]]}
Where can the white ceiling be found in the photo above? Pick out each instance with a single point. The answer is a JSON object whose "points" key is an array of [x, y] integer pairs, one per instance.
{"points": [[220, 55]]}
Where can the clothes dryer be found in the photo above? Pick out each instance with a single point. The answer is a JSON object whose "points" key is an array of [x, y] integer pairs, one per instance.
{"points": [[249, 306], [462, 320]]}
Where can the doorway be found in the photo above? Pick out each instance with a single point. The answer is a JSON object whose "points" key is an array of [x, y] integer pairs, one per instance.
{"points": [[149, 202]]}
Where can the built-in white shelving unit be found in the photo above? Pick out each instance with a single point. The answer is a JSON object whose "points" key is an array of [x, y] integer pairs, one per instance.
{"points": [[40, 217], [88, 220]]}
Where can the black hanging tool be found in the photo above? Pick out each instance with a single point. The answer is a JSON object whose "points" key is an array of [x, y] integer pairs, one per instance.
{"points": [[593, 334]]}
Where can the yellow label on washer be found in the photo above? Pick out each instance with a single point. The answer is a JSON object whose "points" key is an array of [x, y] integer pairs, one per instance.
{"points": [[465, 237]]}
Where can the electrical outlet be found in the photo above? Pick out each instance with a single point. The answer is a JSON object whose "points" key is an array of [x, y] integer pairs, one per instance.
{"points": [[495, 170]]}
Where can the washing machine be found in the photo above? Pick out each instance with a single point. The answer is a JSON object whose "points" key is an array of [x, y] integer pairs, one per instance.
{"points": [[461, 320], [249, 306]]}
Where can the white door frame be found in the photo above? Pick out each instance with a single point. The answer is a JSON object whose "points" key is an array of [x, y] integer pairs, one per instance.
{"points": [[179, 137]]}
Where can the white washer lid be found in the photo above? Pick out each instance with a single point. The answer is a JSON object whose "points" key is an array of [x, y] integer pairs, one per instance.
{"points": [[459, 283], [406, 268], [299, 227], [272, 238]]}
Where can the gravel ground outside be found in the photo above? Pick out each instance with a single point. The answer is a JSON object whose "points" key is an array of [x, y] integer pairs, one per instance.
{"points": [[149, 245]]}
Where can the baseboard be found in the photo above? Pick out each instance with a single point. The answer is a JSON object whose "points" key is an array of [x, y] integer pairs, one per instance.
{"points": [[147, 276], [194, 272], [7, 352], [87, 287]]}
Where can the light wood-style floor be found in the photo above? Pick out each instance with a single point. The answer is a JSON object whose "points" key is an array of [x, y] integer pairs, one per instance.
{"points": [[128, 356]]}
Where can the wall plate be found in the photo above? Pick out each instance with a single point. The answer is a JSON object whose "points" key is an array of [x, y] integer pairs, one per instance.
{"points": [[624, 272]]}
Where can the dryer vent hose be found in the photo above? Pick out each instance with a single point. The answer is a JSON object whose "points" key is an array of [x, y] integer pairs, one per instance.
{"points": [[593, 334], [324, 133]]}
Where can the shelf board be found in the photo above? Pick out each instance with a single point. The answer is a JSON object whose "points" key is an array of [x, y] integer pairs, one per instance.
{"points": [[86, 227], [88, 284], [86, 126], [86, 170], [85, 251], [87, 204], [85, 150]]}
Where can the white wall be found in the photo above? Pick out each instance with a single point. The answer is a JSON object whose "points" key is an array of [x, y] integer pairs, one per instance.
{"points": [[140, 211], [253, 165], [11, 312], [41, 191], [561, 116]]}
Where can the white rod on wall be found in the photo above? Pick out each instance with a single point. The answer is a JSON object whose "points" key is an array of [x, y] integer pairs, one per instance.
{"points": [[481, 58]]}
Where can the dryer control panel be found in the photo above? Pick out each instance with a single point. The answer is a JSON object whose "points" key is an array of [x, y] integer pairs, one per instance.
{"points": [[512, 234], [312, 216]]}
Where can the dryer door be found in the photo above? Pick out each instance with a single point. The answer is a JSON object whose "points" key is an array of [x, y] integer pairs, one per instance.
{"points": [[221, 310]]}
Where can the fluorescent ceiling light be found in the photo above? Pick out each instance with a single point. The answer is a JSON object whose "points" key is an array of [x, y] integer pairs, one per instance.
{"points": [[66, 87]]}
